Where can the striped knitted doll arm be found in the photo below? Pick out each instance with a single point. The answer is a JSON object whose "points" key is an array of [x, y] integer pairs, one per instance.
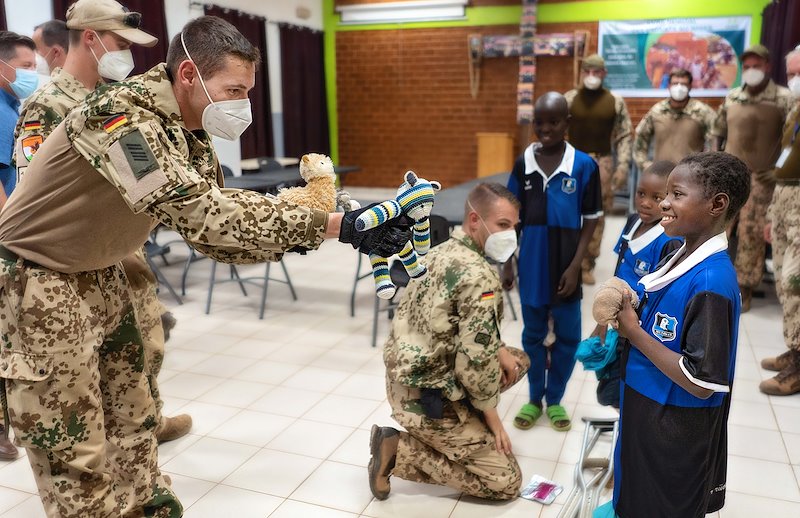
{"points": [[378, 215]]}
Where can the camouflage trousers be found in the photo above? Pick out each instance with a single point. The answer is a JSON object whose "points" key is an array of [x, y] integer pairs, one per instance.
{"points": [[784, 212], [606, 165], [148, 313], [78, 397], [751, 247], [457, 451]]}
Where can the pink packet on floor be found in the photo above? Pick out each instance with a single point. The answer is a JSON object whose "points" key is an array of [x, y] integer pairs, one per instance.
{"points": [[541, 490]]}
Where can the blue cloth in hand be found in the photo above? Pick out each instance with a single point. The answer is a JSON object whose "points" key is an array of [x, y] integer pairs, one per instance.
{"points": [[595, 355]]}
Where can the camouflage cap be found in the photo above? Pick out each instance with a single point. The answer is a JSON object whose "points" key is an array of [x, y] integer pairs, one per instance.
{"points": [[756, 50], [108, 15], [593, 61]]}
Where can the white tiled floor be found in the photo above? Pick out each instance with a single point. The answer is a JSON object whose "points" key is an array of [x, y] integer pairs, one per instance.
{"points": [[282, 408]]}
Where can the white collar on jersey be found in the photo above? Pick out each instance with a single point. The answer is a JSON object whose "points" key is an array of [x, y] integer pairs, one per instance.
{"points": [[567, 161], [666, 274], [635, 245]]}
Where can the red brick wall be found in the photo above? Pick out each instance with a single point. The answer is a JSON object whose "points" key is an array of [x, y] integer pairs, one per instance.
{"points": [[403, 100]]}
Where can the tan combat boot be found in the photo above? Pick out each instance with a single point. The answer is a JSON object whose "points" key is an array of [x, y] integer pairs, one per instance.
{"points": [[780, 362], [174, 427], [785, 383], [747, 298], [587, 276], [383, 446]]}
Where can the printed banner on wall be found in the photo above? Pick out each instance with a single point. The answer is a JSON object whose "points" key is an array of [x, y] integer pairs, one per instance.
{"points": [[640, 54]]}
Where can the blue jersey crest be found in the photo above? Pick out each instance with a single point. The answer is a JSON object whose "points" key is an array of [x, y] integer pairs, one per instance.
{"points": [[664, 327]]}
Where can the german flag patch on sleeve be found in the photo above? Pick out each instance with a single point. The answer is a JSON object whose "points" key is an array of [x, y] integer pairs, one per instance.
{"points": [[31, 125], [114, 122], [487, 295]]}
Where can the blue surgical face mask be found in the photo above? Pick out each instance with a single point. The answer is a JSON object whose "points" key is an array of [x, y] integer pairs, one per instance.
{"points": [[26, 82]]}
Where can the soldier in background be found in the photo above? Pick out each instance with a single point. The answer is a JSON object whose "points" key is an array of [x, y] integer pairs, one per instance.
{"points": [[133, 154], [600, 126], [52, 43], [784, 218], [446, 364], [749, 125], [95, 32], [676, 126]]}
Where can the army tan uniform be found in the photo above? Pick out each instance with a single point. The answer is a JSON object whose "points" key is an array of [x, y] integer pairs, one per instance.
{"points": [[40, 115], [600, 124], [73, 361], [445, 335], [673, 133], [42, 112], [784, 213], [752, 127]]}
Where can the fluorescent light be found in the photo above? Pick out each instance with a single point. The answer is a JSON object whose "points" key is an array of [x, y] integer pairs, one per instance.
{"points": [[394, 12]]}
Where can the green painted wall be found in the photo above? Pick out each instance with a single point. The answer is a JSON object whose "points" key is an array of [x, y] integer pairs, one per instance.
{"points": [[586, 11]]}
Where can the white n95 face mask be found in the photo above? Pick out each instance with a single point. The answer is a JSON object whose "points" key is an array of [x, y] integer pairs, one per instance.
{"points": [[592, 82], [752, 76], [42, 68], [224, 119], [114, 64], [794, 86], [679, 92], [500, 246]]}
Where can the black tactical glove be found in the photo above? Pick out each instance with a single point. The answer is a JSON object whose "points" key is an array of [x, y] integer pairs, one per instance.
{"points": [[385, 240]]}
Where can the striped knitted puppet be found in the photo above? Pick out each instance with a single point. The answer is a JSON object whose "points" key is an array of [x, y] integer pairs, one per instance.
{"points": [[414, 199]]}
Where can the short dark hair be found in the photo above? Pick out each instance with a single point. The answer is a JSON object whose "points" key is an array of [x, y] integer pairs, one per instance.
{"points": [[54, 32], [208, 39], [9, 41], [680, 72], [660, 168], [483, 194], [719, 172]]}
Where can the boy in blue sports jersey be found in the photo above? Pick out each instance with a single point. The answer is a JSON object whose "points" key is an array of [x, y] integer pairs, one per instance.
{"points": [[641, 247], [559, 191], [670, 458]]}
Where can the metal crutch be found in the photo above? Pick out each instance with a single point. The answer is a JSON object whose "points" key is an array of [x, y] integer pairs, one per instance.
{"points": [[583, 498]]}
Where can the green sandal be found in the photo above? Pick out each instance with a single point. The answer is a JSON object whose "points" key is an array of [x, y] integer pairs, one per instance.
{"points": [[558, 414], [527, 415]]}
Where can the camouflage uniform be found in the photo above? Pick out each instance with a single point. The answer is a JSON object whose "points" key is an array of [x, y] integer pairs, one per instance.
{"points": [[677, 132], [784, 214], [445, 335], [611, 179], [72, 354], [752, 127], [41, 113]]}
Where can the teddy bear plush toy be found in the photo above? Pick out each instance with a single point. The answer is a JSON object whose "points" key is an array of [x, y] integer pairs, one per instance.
{"points": [[415, 200], [608, 301], [320, 190]]}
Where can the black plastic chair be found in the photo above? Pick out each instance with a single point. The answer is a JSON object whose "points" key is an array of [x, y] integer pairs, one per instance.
{"points": [[152, 250], [263, 282]]}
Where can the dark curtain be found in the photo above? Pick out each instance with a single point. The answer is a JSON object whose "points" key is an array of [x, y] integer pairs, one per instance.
{"points": [[3, 23], [153, 21], [780, 33], [257, 139], [305, 108]]}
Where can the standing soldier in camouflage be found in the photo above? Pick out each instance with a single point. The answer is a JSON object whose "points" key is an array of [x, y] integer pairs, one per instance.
{"points": [[784, 217], [94, 29], [749, 125], [52, 42], [676, 126], [133, 154], [446, 364], [600, 125]]}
